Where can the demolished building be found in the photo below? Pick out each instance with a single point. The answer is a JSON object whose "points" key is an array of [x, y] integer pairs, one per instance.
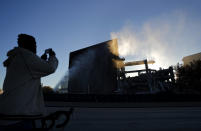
{"points": [[98, 69]]}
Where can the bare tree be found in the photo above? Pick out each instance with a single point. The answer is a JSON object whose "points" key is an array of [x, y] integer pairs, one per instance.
{"points": [[189, 77]]}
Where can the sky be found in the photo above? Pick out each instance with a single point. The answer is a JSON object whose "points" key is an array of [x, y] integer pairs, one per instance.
{"points": [[163, 30]]}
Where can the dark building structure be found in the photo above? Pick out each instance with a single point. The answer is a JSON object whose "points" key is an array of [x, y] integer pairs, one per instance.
{"points": [[93, 70], [98, 69]]}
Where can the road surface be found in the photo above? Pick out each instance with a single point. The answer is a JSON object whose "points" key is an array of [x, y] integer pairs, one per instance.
{"points": [[135, 119]]}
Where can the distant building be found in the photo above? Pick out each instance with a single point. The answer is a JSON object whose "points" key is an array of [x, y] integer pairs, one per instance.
{"points": [[188, 59]]}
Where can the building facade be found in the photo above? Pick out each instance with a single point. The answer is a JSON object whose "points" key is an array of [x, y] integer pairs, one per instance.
{"points": [[194, 57], [92, 70]]}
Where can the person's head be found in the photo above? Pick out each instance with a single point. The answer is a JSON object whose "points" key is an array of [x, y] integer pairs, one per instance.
{"points": [[27, 42]]}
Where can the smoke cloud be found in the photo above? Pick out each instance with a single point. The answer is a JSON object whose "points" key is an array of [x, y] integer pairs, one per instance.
{"points": [[83, 62], [63, 83], [80, 67], [165, 39]]}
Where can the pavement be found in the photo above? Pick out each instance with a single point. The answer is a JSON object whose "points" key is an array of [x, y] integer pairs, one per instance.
{"points": [[147, 118]]}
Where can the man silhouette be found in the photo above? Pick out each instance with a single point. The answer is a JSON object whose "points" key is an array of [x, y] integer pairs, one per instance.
{"points": [[22, 93]]}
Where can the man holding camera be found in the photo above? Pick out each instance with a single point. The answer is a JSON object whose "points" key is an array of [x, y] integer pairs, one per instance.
{"points": [[22, 92]]}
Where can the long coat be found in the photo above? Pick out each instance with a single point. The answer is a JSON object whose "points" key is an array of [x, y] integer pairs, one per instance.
{"points": [[22, 92]]}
